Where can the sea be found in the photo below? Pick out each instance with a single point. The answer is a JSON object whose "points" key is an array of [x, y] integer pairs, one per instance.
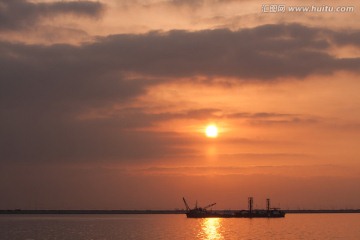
{"points": [[177, 226]]}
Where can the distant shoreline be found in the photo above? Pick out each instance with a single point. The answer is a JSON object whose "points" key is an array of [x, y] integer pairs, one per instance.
{"points": [[21, 211]]}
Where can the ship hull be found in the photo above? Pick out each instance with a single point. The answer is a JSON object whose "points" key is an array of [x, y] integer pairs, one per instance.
{"points": [[278, 214], [241, 214]]}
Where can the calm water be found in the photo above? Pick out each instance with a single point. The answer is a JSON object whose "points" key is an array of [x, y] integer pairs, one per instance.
{"points": [[105, 227]]}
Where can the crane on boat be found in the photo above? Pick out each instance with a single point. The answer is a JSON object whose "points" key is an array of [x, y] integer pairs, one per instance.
{"points": [[196, 206]]}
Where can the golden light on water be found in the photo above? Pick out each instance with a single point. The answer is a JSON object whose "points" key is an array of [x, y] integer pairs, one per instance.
{"points": [[210, 229]]}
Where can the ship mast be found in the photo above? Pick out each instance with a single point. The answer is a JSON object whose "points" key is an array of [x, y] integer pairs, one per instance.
{"points": [[250, 204]]}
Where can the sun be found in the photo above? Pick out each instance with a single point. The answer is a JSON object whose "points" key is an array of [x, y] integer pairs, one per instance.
{"points": [[211, 131]]}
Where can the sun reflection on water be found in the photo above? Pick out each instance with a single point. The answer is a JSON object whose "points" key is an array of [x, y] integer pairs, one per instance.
{"points": [[210, 229]]}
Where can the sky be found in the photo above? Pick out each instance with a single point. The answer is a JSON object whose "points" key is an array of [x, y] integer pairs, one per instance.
{"points": [[104, 104]]}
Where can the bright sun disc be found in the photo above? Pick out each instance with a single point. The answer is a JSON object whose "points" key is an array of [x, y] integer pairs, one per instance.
{"points": [[211, 131]]}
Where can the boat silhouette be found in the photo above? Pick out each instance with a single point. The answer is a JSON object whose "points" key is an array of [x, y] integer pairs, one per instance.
{"points": [[203, 212]]}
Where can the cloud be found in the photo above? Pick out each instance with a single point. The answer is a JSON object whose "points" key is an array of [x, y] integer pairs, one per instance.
{"points": [[45, 89], [79, 142], [192, 3], [271, 118], [54, 133], [348, 38], [265, 52], [17, 14], [280, 170], [137, 118]]}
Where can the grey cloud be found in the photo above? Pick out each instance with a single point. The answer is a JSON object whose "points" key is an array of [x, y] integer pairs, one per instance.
{"points": [[44, 89], [17, 14], [137, 118], [264, 52], [60, 74], [192, 3], [347, 38], [270, 118], [76, 142], [133, 118]]}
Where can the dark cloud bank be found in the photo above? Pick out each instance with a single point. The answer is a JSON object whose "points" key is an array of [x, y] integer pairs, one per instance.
{"points": [[18, 14], [43, 89]]}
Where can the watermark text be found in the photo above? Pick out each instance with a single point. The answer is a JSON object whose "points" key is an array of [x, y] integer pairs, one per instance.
{"points": [[282, 8]]}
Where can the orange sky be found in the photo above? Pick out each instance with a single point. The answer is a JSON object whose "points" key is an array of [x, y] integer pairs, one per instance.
{"points": [[104, 104]]}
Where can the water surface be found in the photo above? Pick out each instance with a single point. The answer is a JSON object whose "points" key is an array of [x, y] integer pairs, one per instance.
{"points": [[108, 227]]}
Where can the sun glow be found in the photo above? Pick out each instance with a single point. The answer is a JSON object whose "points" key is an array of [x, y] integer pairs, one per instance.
{"points": [[211, 131]]}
